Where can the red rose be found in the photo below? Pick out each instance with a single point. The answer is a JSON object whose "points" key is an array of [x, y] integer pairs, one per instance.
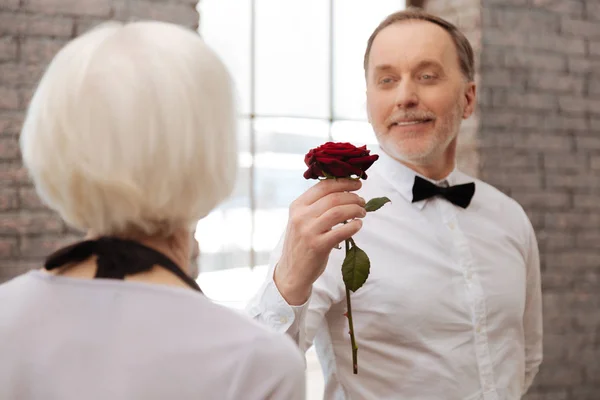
{"points": [[339, 160]]}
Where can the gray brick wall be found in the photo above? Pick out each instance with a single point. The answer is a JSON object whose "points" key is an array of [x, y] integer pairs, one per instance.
{"points": [[538, 140], [31, 32]]}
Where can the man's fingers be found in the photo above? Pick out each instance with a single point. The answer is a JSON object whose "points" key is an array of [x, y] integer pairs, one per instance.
{"points": [[336, 199], [341, 233], [338, 215], [326, 187]]}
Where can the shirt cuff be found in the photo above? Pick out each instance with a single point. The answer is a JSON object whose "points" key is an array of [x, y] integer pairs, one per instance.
{"points": [[272, 310]]}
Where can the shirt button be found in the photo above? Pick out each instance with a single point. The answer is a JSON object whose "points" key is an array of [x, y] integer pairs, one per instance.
{"points": [[478, 329], [451, 226], [283, 320]]}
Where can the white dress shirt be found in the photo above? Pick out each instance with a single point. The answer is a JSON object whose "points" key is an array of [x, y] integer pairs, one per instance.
{"points": [[451, 309], [66, 338]]}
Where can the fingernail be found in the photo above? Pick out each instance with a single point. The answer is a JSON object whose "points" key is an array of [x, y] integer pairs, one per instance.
{"points": [[363, 201]]}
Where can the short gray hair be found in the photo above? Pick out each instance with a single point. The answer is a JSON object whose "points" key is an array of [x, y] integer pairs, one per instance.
{"points": [[132, 129]]}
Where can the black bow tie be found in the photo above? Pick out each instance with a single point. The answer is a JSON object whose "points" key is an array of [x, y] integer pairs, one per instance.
{"points": [[460, 195]]}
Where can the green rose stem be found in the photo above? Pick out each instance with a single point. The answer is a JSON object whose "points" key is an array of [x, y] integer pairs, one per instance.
{"points": [[355, 271], [349, 316]]}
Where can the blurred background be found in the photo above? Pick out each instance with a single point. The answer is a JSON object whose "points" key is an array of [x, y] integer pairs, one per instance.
{"points": [[298, 71]]}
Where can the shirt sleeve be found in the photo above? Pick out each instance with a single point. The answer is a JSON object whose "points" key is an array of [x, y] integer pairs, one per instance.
{"points": [[532, 318], [300, 322]]}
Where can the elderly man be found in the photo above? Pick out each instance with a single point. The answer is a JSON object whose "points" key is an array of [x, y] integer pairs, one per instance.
{"points": [[452, 307]]}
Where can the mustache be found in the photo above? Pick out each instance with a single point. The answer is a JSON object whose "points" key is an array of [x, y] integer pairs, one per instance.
{"points": [[412, 115]]}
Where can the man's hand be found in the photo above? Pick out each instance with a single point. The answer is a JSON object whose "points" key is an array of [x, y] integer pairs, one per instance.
{"points": [[310, 236]]}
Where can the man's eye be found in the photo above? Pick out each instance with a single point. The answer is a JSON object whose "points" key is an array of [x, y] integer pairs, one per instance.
{"points": [[386, 80], [427, 77]]}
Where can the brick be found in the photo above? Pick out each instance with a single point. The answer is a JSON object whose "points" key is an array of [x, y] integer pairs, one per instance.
{"points": [[582, 65], [592, 10], [9, 5], [565, 162], [12, 174], [13, 268], [525, 20], [580, 28], [556, 82], [586, 201], [565, 220], [594, 48], [41, 246], [588, 142], [9, 148], [8, 247], [521, 58], [514, 180], [541, 200], [595, 124], [40, 50], [9, 199], [589, 240], [542, 141], [503, 78], [594, 86], [578, 105], [35, 25], [526, 121], [577, 279], [9, 99], [18, 75], [528, 101], [595, 162], [182, 13], [534, 40], [83, 25], [10, 122], [100, 8], [555, 241], [28, 223], [563, 7], [511, 160], [29, 199], [8, 48], [582, 181], [492, 58]]}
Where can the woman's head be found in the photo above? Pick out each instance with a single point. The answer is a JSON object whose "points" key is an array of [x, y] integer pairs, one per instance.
{"points": [[132, 129]]}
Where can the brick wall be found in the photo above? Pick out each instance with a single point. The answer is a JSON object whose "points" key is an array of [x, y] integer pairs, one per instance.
{"points": [[31, 32], [538, 140]]}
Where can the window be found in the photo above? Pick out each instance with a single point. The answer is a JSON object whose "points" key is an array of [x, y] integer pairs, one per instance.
{"points": [[298, 71]]}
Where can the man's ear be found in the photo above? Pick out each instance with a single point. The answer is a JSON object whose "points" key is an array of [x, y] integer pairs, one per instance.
{"points": [[470, 96]]}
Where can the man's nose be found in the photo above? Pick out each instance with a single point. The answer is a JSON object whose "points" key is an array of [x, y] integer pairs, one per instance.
{"points": [[406, 94]]}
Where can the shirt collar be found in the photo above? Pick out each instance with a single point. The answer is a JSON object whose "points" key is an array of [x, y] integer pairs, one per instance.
{"points": [[402, 177]]}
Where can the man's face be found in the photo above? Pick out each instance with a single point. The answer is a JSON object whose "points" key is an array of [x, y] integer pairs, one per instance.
{"points": [[416, 92]]}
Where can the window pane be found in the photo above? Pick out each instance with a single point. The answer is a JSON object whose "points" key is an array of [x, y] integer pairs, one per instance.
{"points": [[356, 132], [292, 58], [279, 162], [225, 26], [354, 21], [225, 234]]}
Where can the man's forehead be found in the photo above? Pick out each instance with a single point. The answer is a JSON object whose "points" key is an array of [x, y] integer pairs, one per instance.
{"points": [[412, 40]]}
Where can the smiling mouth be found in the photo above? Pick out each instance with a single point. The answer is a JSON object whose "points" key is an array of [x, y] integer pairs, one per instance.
{"points": [[409, 123]]}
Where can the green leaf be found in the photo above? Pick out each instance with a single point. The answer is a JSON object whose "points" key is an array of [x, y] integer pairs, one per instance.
{"points": [[355, 268], [376, 203]]}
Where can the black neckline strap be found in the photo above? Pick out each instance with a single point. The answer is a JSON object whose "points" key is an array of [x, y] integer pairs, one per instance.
{"points": [[116, 258]]}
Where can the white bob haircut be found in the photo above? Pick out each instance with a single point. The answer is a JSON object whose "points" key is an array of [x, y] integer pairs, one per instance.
{"points": [[132, 130]]}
